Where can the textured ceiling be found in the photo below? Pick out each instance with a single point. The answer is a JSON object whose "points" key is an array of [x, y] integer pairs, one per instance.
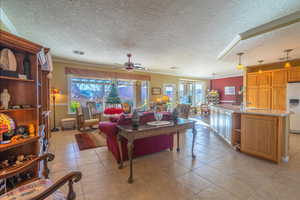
{"points": [[187, 34]]}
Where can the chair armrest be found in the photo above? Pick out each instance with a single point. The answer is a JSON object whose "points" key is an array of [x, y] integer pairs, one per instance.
{"points": [[17, 170], [71, 178], [97, 116]]}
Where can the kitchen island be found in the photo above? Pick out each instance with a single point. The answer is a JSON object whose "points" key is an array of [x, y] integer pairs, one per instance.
{"points": [[261, 133]]}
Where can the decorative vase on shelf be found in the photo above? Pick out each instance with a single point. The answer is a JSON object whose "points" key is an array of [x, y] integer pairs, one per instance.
{"points": [[5, 98]]}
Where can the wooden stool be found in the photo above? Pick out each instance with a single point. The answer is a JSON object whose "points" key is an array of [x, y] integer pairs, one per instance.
{"points": [[68, 123]]}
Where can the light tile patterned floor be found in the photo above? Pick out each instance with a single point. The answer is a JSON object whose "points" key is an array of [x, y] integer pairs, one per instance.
{"points": [[218, 172]]}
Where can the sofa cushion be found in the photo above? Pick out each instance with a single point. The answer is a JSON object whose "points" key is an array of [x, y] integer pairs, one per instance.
{"points": [[28, 191]]}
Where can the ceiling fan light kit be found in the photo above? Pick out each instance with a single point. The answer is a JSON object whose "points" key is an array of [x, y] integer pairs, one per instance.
{"points": [[130, 66]]}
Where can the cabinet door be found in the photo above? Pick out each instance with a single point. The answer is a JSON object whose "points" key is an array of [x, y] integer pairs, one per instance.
{"points": [[294, 74], [259, 136], [279, 98], [252, 79], [252, 94], [264, 79], [264, 98], [279, 78]]}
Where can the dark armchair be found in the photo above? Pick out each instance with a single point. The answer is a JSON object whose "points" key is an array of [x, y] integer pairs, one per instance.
{"points": [[42, 187]]}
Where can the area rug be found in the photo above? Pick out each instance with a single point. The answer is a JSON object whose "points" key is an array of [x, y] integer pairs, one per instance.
{"points": [[89, 140]]}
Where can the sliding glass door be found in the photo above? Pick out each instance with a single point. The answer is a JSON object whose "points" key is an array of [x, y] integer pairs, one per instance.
{"points": [[191, 92]]}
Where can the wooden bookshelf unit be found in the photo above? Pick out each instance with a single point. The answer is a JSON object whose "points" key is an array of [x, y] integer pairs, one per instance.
{"points": [[33, 92]]}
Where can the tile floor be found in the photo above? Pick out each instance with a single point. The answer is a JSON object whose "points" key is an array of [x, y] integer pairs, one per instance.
{"points": [[218, 172]]}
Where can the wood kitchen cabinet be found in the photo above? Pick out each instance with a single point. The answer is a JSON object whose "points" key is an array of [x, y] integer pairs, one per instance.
{"points": [[252, 90], [279, 84], [264, 98], [263, 91], [267, 90], [294, 74], [279, 98], [260, 136]]}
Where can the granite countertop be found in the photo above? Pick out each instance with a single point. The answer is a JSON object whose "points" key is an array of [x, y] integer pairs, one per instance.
{"points": [[255, 111]]}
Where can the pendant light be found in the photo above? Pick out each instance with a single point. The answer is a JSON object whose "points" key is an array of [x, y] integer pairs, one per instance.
{"points": [[260, 62], [287, 64], [240, 66]]}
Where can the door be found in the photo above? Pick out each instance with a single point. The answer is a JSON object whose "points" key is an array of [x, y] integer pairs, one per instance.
{"points": [[252, 95], [264, 98], [259, 136], [279, 98], [279, 78]]}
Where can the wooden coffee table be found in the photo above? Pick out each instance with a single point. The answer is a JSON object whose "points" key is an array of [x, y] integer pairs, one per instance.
{"points": [[145, 131]]}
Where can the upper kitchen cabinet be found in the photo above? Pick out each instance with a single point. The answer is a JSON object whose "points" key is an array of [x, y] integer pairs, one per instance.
{"points": [[294, 74], [279, 78], [264, 79], [252, 90]]}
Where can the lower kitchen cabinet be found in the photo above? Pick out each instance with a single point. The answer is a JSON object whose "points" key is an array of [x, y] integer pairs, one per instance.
{"points": [[261, 136]]}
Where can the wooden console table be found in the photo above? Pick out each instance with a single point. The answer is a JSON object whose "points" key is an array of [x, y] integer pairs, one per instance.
{"points": [[145, 131]]}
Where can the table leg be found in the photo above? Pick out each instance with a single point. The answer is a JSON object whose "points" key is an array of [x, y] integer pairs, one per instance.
{"points": [[130, 152], [120, 151], [178, 149], [194, 138]]}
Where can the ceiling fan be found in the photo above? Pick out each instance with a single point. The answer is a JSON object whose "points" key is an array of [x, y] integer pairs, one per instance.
{"points": [[129, 65]]}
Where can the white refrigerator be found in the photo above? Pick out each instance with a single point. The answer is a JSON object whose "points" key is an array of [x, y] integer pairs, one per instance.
{"points": [[293, 105]]}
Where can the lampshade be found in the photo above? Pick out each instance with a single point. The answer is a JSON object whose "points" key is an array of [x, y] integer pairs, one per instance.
{"points": [[55, 91], [287, 65], [165, 98]]}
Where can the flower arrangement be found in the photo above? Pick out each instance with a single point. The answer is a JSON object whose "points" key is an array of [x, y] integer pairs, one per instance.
{"points": [[113, 111]]}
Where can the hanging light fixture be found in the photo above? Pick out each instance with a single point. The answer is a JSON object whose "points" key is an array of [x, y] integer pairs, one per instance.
{"points": [[260, 62], [240, 66], [287, 64]]}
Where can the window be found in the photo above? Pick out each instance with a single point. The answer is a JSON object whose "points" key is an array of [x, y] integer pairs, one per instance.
{"points": [[83, 90], [191, 92], [170, 91]]}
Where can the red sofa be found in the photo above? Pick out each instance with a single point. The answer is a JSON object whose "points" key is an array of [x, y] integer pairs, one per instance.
{"points": [[141, 146]]}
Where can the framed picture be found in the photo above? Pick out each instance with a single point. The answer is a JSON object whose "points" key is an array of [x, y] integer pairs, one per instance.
{"points": [[156, 91], [229, 90]]}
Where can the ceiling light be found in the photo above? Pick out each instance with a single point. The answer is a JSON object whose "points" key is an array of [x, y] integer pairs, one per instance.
{"points": [[260, 62], [240, 66], [287, 64], [78, 52]]}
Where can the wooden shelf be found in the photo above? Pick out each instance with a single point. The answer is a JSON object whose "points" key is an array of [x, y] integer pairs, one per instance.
{"points": [[13, 168], [15, 79], [14, 110], [4, 147]]}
